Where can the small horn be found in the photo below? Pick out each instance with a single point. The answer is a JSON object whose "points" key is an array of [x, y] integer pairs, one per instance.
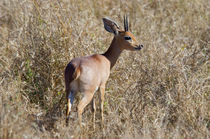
{"points": [[125, 23]]}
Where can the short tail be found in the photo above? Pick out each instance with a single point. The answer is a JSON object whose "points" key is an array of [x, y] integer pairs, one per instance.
{"points": [[72, 72]]}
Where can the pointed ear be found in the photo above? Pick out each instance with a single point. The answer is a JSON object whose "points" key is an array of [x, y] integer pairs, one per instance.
{"points": [[110, 26]]}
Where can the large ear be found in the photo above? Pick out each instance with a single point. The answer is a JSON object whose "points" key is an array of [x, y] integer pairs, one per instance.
{"points": [[110, 26]]}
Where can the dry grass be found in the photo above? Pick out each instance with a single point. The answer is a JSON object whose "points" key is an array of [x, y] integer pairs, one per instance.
{"points": [[159, 92]]}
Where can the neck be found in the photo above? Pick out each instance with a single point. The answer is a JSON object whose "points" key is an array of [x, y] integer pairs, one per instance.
{"points": [[113, 53]]}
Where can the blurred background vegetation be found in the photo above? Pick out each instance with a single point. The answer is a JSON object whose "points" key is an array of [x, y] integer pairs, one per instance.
{"points": [[160, 92]]}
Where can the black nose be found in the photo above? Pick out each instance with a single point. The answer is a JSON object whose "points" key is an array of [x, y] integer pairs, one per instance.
{"points": [[139, 47]]}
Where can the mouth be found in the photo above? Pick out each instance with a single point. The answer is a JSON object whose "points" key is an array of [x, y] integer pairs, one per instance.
{"points": [[139, 47]]}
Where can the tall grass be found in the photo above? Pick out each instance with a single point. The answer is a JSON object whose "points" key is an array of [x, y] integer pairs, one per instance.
{"points": [[160, 92]]}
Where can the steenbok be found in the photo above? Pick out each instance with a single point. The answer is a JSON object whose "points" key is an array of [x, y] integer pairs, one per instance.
{"points": [[90, 73]]}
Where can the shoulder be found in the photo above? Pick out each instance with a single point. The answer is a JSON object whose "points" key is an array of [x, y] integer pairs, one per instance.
{"points": [[99, 57]]}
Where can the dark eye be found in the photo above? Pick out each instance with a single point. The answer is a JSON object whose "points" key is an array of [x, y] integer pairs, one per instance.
{"points": [[127, 38]]}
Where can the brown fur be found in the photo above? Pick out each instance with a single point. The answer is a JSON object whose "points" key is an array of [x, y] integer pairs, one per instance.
{"points": [[87, 74]]}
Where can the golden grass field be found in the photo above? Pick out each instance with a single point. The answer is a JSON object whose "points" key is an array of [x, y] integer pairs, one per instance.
{"points": [[160, 92]]}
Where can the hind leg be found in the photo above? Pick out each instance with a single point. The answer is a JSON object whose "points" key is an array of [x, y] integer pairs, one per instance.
{"points": [[94, 112], [70, 100], [88, 95]]}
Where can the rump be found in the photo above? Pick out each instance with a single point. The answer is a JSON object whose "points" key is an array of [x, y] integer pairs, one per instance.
{"points": [[72, 72]]}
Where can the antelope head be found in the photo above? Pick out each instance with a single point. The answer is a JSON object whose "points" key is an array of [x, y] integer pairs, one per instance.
{"points": [[125, 39]]}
